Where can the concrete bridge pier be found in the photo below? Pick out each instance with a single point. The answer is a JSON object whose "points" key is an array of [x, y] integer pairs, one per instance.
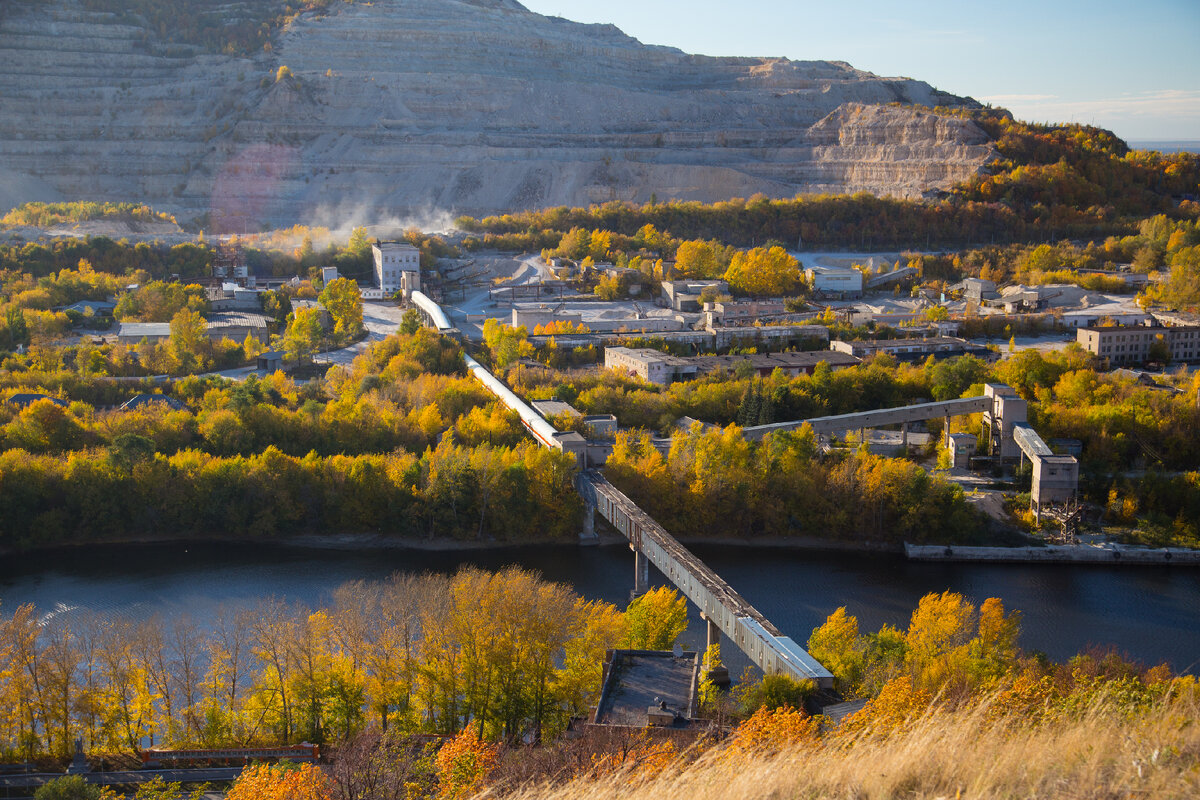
{"points": [[904, 438], [712, 634], [641, 573], [588, 534]]}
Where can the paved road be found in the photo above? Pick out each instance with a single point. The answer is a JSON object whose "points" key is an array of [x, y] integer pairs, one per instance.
{"points": [[126, 777], [380, 319]]}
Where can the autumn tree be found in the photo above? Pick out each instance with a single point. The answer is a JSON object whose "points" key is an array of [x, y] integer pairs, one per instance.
{"points": [[280, 782], [655, 620], [343, 301], [696, 259], [463, 763], [159, 301], [505, 343], [764, 272], [303, 335], [770, 730], [188, 343]]}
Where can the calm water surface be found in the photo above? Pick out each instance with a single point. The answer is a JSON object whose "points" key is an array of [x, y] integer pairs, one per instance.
{"points": [[1150, 613]]}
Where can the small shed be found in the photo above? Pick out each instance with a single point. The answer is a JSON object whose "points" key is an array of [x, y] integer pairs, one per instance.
{"points": [[143, 400], [962, 446], [269, 362], [26, 399]]}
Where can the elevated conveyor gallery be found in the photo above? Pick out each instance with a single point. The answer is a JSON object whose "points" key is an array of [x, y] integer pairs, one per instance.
{"points": [[1055, 477], [723, 608], [823, 426], [720, 605]]}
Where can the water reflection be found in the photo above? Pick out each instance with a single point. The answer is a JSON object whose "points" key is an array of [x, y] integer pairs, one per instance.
{"points": [[1148, 612]]}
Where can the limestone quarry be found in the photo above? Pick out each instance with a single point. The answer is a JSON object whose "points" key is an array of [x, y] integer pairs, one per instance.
{"points": [[407, 107]]}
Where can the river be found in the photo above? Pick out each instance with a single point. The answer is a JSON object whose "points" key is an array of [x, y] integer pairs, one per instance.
{"points": [[1148, 613]]}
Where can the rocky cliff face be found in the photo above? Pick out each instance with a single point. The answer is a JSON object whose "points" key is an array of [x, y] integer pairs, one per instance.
{"points": [[406, 106]]}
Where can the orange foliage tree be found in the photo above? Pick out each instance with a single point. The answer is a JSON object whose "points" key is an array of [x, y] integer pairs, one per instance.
{"points": [[280, 782], [771, 730], [463, 764]]}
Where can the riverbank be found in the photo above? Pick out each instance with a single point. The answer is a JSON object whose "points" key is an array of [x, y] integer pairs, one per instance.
{"points": [[1148, 613], [1108, 553], [795, 543]]}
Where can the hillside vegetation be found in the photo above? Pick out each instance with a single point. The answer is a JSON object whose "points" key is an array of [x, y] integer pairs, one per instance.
{"points": [[44, 215], [1051, 182], [984, 753]]}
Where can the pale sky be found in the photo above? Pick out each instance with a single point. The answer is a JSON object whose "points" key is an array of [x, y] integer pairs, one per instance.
{"points": [[1132, 67]]}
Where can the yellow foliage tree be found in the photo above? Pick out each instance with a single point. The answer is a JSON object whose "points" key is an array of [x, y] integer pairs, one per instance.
{"points": [[763, 271], [655, 620]]}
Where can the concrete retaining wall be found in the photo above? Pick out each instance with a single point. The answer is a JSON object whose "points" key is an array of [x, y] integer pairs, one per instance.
{"points": [[1057, 554]]}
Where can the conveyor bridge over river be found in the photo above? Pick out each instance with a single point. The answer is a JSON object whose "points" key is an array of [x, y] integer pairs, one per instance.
{"points": [[722, 608]]}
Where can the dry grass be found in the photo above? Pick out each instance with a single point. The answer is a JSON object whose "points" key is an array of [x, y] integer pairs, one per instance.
{"points": [[947, 754]]}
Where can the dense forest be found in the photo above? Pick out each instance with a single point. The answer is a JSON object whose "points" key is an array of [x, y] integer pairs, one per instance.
{"points": [[44, 215], [400, 442], [714, 483]]}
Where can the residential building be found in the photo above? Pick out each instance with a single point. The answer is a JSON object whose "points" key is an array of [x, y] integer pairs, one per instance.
{"points": [[1121, 345], [397, 267]]}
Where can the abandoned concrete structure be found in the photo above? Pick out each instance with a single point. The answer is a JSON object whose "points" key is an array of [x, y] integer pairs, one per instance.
{"points": [[912, 349], [1005, 426], [649, 689], [1131, 344], [397, 267], [662, 369]]}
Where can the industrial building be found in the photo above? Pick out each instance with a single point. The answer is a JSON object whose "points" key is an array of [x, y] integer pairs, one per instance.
{"points": [[135, 332], [533, 316], [844, 282], [599, 425], [237, 325], [912, 349], [685, 295], [233, 325], [651, 366], [663, 369], [735, 313], [1122, 345], [231, 297], [961, 446], [397, 267]]}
